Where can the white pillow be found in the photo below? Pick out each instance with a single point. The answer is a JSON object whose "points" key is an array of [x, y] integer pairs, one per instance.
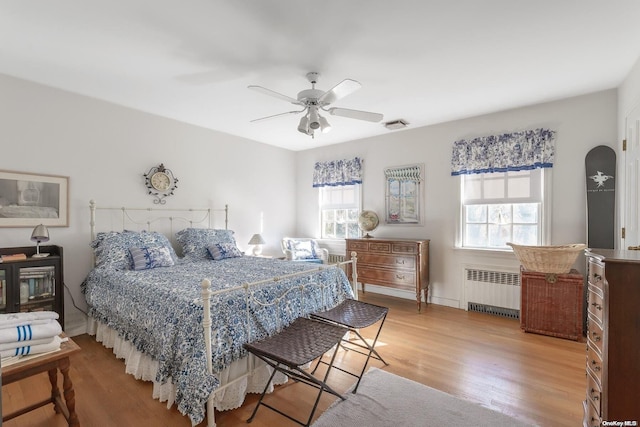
{"points": [[304, 249], [151, 257], [220, 251]]}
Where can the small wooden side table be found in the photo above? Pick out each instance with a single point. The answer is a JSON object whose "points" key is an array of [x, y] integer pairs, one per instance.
{"points": [[50, 363]]}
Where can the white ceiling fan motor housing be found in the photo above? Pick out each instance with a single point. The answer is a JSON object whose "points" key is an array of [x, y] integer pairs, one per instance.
{"points": [[310, 96]]}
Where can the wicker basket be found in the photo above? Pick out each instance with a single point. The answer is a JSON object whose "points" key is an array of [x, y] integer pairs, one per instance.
{"points": [[548, 259]]}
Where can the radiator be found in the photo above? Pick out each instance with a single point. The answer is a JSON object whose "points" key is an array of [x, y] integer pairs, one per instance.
{"points": [[336, 258], [493, 292]]}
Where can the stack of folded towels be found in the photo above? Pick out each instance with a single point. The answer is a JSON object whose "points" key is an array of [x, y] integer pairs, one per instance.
{"points": [[22, 334]]}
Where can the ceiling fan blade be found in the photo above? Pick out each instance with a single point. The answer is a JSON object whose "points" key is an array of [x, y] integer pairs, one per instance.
{"points": [[276, 115], [356, 114], [342, 89], [275, 94]]}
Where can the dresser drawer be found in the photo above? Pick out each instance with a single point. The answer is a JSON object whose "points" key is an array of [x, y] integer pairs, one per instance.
{"points": [[594, 394], [591, 417], [594, 363], [381, 247], [404, 248], [596, 275], [382, 277], [595, 334], [596, 304], [358, 246], [389, 261]]}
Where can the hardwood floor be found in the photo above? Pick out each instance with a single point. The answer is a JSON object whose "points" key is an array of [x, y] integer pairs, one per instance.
{"points": [[478, 357]]}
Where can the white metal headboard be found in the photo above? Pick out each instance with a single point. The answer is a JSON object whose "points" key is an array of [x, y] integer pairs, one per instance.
{"points": [[164, 220]]}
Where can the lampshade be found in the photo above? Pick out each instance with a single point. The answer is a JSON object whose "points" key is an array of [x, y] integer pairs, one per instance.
{"points": [[314, 118], [257, 239], [324, 125], [304, 125], [40, 234]]}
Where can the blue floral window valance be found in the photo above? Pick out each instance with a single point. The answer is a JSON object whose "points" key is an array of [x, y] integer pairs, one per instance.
{"points": [[516, 151], [338, 172]]}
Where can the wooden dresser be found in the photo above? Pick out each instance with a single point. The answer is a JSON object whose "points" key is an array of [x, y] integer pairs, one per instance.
{"points": [[394, 263], [613, 337]]}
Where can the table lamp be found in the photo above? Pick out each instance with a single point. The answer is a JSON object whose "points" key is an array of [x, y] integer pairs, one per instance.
{"points": [[40, 234], [257, 241]]}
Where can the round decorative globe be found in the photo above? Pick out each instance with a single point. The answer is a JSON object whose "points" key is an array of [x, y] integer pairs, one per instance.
{"points": [[368, 221]]}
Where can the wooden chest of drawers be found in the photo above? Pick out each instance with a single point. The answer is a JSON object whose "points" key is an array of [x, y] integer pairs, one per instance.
{"points": [[613, 337], [394, 263], [552, 304]]}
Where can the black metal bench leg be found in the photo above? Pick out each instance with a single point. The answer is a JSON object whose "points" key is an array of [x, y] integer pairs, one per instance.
{"points": [[371, 350], [324, 386], [266, 387]]}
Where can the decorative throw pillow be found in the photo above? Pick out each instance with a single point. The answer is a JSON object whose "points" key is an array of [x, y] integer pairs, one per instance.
{"points": [[304, 249], [111, 249], [151, 257], [195, 241], [220, 251]]}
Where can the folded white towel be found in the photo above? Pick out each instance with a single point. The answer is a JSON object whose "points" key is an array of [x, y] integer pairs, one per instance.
{"points": [[35, 349], [30, 332], [9, 320], [15, 344]]}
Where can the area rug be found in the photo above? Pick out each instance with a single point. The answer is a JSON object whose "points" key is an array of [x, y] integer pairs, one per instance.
{"points": [[387, 400]]}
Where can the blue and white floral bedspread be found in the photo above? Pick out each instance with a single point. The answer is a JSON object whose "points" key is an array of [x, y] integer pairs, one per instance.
{"points": [[160, 312]]}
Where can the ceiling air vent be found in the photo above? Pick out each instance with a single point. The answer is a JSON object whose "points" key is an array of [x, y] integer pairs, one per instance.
{"points": [[396, 124]]}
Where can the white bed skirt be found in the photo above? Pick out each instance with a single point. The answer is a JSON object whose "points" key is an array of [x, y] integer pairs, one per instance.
{"points": [[230, 395]]}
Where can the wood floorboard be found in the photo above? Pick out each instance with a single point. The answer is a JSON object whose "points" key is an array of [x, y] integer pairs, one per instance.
{"points": [[479, 357]]}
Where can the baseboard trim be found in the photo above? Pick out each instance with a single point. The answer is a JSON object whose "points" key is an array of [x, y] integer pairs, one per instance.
{"points": [[399, 293]]}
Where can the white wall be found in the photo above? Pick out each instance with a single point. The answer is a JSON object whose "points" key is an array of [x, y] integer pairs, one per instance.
{"points": [[581, 124], [104, 149], [628, 95]]}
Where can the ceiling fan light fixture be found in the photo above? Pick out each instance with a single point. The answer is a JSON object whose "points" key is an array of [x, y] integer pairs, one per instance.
{"points": [[314, 118], [325, 127], [303, 126]]}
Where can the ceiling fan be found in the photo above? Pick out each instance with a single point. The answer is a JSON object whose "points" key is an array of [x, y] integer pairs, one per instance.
{"points": [[314, 100]]}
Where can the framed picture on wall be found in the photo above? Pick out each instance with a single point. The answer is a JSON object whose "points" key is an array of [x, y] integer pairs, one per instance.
{"points": [[403, 194], [27, 200]]}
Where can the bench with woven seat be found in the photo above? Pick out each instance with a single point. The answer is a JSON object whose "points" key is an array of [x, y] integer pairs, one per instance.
{"points": [[297, 345], [355, 315]]}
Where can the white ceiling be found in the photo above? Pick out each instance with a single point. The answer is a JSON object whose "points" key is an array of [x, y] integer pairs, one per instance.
{"points": [[425, 61]]}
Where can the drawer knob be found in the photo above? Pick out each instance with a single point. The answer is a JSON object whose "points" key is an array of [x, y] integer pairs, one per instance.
{"points": [[400, 277], [595, 366], [399, 261], [596, 305]]}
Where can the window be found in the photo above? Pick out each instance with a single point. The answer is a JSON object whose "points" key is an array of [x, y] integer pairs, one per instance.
{"points": [[339, 210], [503, 207]]}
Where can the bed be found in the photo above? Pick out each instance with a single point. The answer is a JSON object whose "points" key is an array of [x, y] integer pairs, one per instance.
{"points": [[159, 309]]}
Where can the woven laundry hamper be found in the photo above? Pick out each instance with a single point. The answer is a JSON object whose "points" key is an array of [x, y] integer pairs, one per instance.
{"points": [[548, 259], [552, 304]]}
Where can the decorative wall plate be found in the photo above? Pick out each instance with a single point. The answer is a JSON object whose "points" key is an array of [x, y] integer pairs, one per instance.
{"points": [[161, 183]]}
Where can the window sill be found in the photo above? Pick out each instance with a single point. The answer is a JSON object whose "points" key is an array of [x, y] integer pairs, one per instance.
{"points": [[498, 253]]}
